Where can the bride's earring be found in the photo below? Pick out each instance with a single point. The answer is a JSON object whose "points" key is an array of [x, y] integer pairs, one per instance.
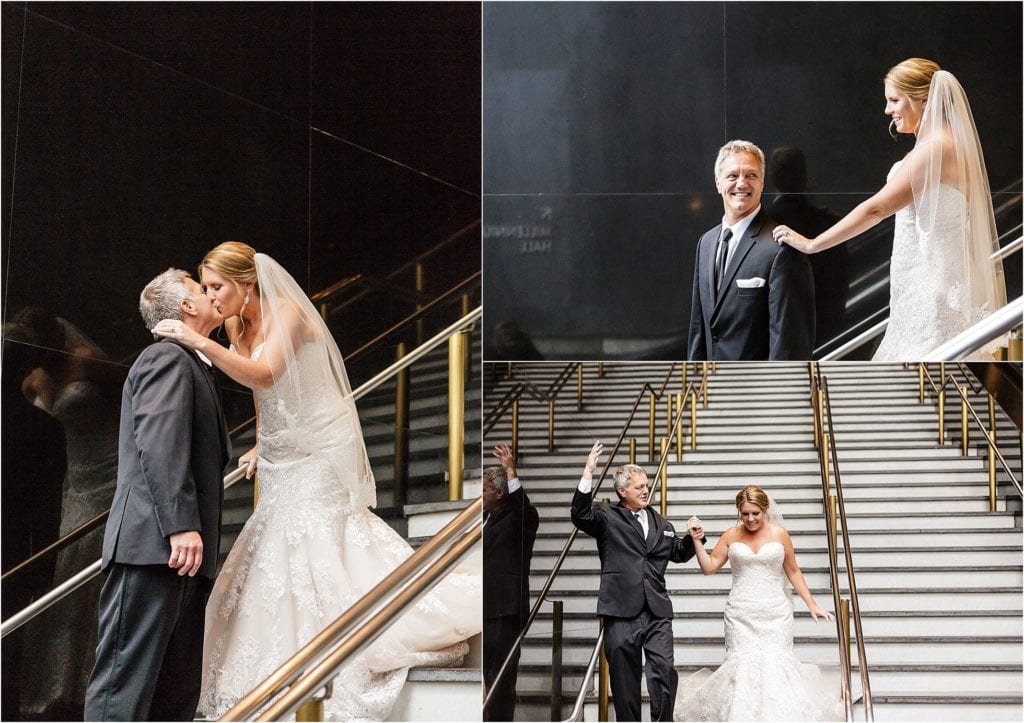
{"points": [[246, 302]]}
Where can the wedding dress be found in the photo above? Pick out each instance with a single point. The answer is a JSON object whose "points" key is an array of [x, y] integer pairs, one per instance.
{"points": [[929, 287], [311, 548], [942, 276], [760, 678]]}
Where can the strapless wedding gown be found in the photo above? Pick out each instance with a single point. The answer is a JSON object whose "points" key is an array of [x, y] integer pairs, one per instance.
{"points": [[760, 678], [307, 554], [929, 288]]}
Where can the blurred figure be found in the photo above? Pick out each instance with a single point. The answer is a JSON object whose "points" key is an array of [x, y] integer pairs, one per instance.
{"points": [[510, 343], [830, 268], [510, 529], [75, 384], [33, 466]]}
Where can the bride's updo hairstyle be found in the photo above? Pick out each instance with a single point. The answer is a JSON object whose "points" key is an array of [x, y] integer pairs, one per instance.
{"points": [[913, 77], [755, 496], [234, 261]]}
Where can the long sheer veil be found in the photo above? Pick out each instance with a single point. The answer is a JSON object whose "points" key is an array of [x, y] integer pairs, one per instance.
{"points": [[314, 375], [773, 516], [947, 129]]}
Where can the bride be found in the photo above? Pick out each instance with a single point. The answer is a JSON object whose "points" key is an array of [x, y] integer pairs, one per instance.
{"points": [[311, 547], [941, 277], [760, 678]]}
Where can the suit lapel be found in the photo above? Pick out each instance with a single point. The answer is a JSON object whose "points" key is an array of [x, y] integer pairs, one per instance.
{"points": [[742, 249], [657, 525], [708, 263], [631, 521]]}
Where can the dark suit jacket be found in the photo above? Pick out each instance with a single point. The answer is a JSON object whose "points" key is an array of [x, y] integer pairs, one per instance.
{"points": [[508, 548], [172, 452], [632, 569], [775, 321]]}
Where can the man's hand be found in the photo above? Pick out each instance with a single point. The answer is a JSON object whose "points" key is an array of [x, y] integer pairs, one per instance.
{"points": [[508, 461], [591, 465], [186, 552]]}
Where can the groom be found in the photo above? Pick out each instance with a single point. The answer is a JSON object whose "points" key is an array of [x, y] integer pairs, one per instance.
{"points": [[161, 539], [635, 544], [752, 298]]}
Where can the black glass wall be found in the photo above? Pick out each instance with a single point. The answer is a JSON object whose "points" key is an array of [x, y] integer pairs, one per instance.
{"points": [[343, 139], [601, 126]]}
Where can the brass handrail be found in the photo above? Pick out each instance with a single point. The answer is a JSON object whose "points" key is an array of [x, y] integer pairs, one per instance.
{"points": [[546, 587], [18, 619], [939, 390], [376, 281], [355, 642], [57, 545], [289, 672], [826, 444]]}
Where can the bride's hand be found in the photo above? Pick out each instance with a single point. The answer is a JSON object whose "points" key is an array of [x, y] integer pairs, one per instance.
{"points": [[816, 611], [785, 235], [174, 329], [248, 460]]}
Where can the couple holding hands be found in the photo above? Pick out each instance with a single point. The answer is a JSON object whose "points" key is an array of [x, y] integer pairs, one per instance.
{"points": [[760, 678]]}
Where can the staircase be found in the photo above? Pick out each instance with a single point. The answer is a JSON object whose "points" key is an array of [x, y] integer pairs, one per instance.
{"points": [[939, 577]]}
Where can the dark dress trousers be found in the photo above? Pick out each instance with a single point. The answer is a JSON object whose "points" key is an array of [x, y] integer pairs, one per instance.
{"points": [[173, 449], [746, 322], [509, 534], [634, 602]]}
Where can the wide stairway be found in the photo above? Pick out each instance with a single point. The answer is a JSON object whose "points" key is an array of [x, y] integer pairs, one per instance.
{"points": [[939, 576]]}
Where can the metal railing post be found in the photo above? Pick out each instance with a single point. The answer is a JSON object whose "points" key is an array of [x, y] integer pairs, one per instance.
{"points": [[456, 413], [632, 451], [579, 386], [556, 660], [693, 419], [551, 425], [663, 477], [942, 416], [401, 481], [991, 453], [651, 420], [515, 428], [679, 428], [603, 681], [965, 432], [419, 290]]}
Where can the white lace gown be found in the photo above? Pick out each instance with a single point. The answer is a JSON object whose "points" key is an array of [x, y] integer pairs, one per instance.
{"points": [[760, 678], [305, 555], [929, 291]]}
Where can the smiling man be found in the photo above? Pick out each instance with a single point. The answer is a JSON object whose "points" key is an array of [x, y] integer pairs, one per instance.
{"points": [[635, 545], [752, 299]]}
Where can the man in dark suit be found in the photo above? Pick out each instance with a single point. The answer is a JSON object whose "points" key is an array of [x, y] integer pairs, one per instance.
{"points": [[510, 528], [161, 540], [752, 298], [635, 545]]}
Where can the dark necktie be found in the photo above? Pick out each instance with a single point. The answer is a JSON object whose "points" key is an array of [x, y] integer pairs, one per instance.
{"points": [[721, 257]]}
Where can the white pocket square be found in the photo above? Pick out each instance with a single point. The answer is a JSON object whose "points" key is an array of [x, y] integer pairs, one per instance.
{"points": [[668, 533], [755, 283]]}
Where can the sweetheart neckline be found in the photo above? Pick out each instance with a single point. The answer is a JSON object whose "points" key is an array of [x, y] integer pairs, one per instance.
{"points": [[741, 542]]}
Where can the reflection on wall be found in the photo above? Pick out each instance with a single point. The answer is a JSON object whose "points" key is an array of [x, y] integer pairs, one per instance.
{"points": [[601, 125], [340, 138]]}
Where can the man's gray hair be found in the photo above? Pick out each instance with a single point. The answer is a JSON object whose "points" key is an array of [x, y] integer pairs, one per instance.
{"points": [[737, 146], [496, 479], [162, 297], [624, 473]]}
